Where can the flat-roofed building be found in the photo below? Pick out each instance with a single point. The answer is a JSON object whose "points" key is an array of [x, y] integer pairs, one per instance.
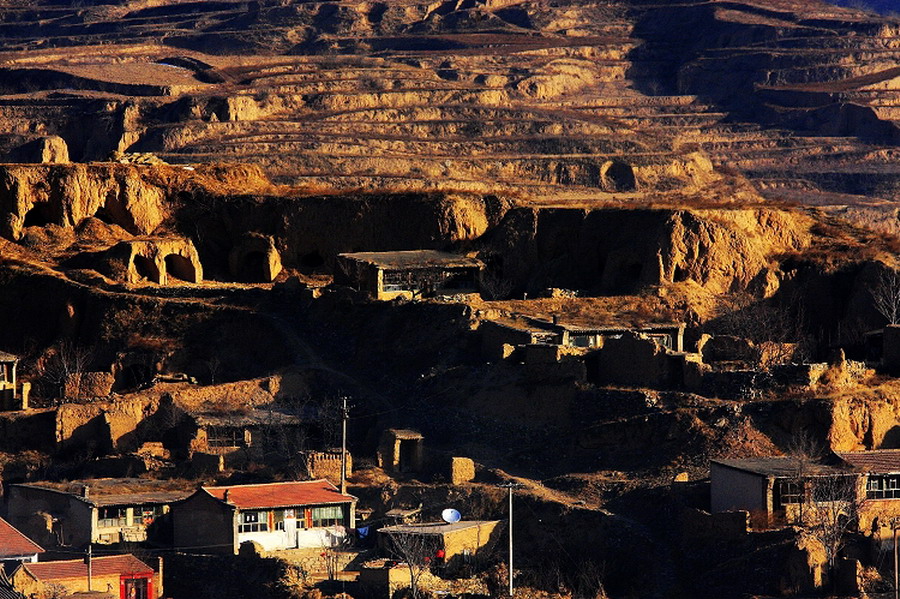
{"points": [[410, 274]]}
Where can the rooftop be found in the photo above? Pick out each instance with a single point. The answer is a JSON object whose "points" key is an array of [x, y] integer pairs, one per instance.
{"points": [[120, 491], [249, 418], [779, 466], [284, 494], [15, 544], [413, 259], [877, 460], [5, 357], [435, 528], [77, 568]]}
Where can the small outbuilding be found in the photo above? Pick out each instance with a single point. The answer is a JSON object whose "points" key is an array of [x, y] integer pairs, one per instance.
{"points": [[401, 451], [455, 542], [122, 576], [409, 274]]}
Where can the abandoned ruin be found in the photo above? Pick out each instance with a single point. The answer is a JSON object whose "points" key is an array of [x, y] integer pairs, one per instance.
{"points": [[550, 300]]}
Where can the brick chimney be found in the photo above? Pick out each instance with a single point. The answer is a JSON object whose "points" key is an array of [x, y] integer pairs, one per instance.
{"points": [[227, 492], [85, 491]]}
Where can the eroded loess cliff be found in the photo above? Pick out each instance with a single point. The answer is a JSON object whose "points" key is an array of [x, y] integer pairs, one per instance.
{"points": [[617, 251]]}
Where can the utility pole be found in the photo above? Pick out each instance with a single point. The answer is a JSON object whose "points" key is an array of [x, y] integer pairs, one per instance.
{"points": [[510, 486], [344, 415], [90, 565]]}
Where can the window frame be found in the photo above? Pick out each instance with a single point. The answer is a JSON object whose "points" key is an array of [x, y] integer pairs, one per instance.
{"points": [[118, 521], [253, 521]]}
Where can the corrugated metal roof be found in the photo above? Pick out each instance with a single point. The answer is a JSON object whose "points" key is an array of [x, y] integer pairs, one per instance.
{"points": [[77, 568], [285, 494], [15, 544], [876, 460]]}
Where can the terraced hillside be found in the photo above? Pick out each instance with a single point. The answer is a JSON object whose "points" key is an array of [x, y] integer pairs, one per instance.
{"points": [[583, 100]]}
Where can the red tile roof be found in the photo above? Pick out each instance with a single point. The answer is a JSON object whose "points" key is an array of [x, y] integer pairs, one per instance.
{"points": [[111, 565], [877, 460], [286, 494], [14, 544]]}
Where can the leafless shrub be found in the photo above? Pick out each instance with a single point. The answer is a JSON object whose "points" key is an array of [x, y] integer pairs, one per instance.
{"points": [[496, 287]]}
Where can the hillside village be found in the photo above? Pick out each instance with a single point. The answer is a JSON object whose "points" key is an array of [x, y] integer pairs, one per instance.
{"points": [[554, 300]]}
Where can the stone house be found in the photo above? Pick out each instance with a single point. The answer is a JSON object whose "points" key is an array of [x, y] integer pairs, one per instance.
{"points": [[243, 435], [409, 274], [880, 469], [13, 394], [771, 489], [459, 541], [122, 576], [774, 489], [100, 511], [15, 546], [284, 515]]}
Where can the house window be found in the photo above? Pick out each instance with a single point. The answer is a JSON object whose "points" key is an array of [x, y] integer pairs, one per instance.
{"points": [[278, 517], [253, 522], [111, 517], [225, 436], [394, 280], [886, 486], [327, 516], [790, 492], [148, 513]]}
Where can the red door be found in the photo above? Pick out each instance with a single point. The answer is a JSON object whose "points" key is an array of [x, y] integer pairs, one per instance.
{"points": [[136, 587]]}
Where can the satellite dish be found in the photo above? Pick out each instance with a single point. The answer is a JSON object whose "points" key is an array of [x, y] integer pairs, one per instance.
{"points": [[451, 515]]}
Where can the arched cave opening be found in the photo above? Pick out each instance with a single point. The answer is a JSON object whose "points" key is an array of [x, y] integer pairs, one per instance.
{"points": [[181, 268], [680, 274], [254, 268], [38, 216], [146, 269], [619, 176]]}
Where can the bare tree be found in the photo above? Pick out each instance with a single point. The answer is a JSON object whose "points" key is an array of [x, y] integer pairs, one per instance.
{"points": [[764, 322], [66, 361], [833, 512], [415, 551], [886, 295], [805, 452]]}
